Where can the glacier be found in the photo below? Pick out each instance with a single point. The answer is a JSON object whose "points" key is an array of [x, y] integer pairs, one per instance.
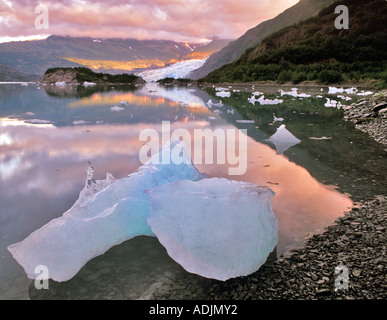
{"points": [[178, 70], [107, 213], [214, 227]]}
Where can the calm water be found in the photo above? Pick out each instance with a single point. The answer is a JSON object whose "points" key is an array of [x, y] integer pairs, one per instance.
{"points": [[49, 133]]}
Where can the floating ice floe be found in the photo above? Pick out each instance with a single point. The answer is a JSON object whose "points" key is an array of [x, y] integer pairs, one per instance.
{"points": [[223, 94], [294, 93], [38, 121], [334, 90], [252, 99], [277, 119], [283, 139], [344, 97], [89, 84], [221, 89], [333, 104], [117, 109], [365, 93], [216, 228], [218, 104], [257, 93], [245, 121], [322, 138], [80, 122], [330, 103], [262, 101]]}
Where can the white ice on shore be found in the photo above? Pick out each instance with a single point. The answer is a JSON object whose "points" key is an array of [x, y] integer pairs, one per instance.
{"points": [[216, 228], [283, 139], [107, 213]]}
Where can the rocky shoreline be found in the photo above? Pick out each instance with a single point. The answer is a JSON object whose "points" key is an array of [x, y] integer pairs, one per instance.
{"points": [[370, 115], [356, 241], [346, 262]]}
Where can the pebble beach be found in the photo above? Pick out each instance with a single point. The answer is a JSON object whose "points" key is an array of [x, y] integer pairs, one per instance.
{"points": [[345, 262]]}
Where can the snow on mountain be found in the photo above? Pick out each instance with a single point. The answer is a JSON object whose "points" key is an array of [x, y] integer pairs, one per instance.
{"points": [[176, 71]]}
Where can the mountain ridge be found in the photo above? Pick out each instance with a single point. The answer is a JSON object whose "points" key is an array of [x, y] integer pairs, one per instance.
{"points": [[315, 50], [35, 57], [300, 11]]}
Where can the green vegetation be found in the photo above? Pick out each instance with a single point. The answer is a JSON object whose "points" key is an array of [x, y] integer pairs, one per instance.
{"points": [[169, 80], [314, 50], [86, 74]]}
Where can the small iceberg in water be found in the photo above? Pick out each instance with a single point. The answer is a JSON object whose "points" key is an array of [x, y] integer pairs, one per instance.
{"points": [[223, 94], [283, 139], [117, 109]]}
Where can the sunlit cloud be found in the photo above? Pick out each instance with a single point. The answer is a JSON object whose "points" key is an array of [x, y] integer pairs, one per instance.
{"points": [[179, 20]]}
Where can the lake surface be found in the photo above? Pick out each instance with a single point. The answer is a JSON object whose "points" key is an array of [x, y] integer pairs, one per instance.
{"points": [[49, 133]]}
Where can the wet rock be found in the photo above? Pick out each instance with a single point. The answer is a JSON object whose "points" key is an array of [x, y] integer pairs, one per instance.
{"points": [[370, 115], [379, 107]]}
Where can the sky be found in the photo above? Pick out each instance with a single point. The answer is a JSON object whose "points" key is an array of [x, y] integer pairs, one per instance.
{"points": [[178, 20]]}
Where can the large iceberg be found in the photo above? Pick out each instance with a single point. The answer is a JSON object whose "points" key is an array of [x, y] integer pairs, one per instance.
{"points": [[216, 228], [107, 213]]}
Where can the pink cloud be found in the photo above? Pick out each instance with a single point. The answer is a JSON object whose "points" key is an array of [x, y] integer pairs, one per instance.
{"points": [[181, 20]]}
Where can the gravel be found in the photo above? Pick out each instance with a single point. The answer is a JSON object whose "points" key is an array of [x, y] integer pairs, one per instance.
{"points": [[370, 115], [346, 262], [355, 243]]}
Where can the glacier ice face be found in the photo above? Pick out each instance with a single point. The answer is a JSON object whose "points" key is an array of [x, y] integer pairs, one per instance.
{"points": [[216, 228], [178, 70], [108, 212]]}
